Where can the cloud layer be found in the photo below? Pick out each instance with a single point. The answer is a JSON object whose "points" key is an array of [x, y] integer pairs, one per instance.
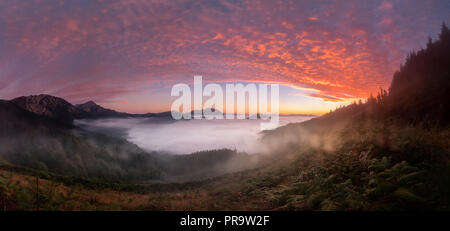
{"points": [[185, 137], [104, 50]]}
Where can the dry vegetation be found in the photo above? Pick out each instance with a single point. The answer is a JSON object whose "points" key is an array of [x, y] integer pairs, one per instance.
{"points": [[355, 176]]}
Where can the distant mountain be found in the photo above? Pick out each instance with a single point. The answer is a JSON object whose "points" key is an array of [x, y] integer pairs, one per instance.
{"points": [[160, 114], [63, 111], [35, 134], [59, 109], [43, 143], [93, 110]]}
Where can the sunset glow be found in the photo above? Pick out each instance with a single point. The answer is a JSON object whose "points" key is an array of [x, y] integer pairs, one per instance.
{"points": [[126, 55]]}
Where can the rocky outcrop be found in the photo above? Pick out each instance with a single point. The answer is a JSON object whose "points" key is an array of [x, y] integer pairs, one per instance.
{"points": [[47, 105]]}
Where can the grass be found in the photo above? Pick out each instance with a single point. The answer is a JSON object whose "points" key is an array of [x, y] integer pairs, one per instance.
{"points": [[362, 173]]}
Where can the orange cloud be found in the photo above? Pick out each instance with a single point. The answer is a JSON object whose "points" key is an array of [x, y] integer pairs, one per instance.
{"points": [[324, 97], [80, 49]]}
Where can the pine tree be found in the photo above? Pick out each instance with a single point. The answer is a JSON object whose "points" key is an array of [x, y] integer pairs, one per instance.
{"points": [[444, 31]]}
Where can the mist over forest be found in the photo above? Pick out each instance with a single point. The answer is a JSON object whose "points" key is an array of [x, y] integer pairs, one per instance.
{"points": [[187, 136]]}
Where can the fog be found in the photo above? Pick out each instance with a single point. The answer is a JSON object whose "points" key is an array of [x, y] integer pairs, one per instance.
{"points": [[186, 136]]}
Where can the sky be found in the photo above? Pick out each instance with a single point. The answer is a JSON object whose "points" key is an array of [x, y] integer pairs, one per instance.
{"points": [[127, 55]]}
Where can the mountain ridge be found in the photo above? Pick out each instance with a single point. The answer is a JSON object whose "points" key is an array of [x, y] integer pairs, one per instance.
{"points": [[63, 111], [46, 143], [60, 109]]}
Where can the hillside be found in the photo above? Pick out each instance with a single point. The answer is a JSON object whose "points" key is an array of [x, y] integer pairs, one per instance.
{"points": [[43, 141], [391, 152]]}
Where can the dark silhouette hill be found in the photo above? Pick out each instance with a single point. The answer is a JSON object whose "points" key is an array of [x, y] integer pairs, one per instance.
{"points": [[63, 111], [39, 134], [420, 90], [92, 110], [45, 143]]}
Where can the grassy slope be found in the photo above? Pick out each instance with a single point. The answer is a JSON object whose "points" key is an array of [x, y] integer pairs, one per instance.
{"points": [[360, 173], [40, 142], [354, 176]]}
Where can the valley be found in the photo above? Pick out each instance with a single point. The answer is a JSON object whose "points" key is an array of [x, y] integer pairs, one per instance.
{"points": [[388, 153]]}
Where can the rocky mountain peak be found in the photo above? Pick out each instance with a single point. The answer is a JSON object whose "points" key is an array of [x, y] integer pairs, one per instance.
{"points": [[47, 105]]}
